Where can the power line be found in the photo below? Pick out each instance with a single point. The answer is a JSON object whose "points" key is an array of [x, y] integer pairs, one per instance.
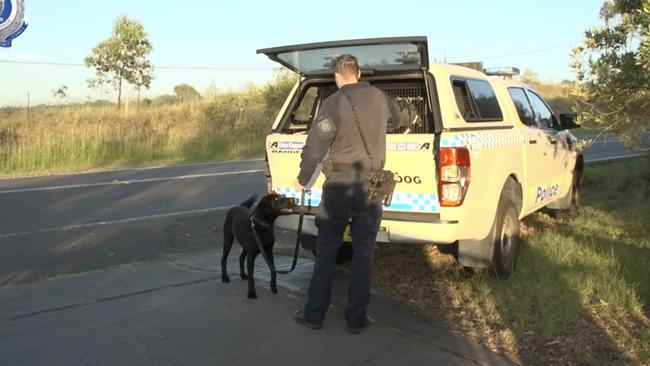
{"points": [[531, 51], [527, 52], [221, 68], [165, 67]]}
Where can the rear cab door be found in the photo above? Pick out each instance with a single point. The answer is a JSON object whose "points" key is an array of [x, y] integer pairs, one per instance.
{"points": [[395, 65], [557, 161]]}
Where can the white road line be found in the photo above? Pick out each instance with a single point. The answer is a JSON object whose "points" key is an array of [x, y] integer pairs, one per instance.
{"points": [[119, 221], [119, 182], [619, 157], [101, 171]]}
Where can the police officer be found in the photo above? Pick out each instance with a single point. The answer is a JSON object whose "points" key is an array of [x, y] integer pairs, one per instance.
{"points": [[343, 200]]}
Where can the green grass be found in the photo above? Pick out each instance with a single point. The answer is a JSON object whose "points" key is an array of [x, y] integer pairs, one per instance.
{"points": [[581, 290], [60, 139]]}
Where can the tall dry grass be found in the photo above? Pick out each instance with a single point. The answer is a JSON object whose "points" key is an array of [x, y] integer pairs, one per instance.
{"points": [[74, 138]]}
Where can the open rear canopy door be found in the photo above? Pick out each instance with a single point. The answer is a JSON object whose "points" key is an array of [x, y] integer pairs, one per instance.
{"points": [[376, 54]]}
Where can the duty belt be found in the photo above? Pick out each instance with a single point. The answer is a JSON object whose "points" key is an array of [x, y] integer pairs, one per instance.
{"points": [[349, 168]]}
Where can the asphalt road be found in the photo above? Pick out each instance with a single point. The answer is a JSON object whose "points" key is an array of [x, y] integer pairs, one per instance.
{"points": [[75, 223], [79, 222], [606, 147]]}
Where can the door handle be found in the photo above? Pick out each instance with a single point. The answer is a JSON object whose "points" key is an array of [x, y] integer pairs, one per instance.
{"points": [[532, 142]]}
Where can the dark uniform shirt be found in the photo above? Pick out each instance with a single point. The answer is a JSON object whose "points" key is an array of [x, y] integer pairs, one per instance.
{"points": [[335, 129]]}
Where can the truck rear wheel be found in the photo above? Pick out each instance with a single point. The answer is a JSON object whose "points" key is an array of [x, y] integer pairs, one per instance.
{"points": [[506, 239], [344, 255], [571, 211], [498, 250]]}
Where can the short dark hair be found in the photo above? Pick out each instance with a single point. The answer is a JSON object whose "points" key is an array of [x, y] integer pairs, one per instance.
{"points": [[346, 65]]}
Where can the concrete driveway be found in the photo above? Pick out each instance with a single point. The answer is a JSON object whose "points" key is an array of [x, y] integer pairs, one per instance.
{"points": [[176, 311]]}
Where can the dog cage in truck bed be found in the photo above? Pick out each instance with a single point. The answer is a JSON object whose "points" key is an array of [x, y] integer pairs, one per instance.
{"points": [[410, 96], [412, 100]]}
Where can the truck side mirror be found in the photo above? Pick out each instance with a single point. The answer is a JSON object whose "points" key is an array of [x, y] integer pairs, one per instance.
{"points": [[568, 121]]}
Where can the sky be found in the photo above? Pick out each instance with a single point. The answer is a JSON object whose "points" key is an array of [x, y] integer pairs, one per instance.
{"points": [[208, 42]]}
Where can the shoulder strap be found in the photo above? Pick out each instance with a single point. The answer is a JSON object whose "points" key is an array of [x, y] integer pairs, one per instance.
{"points": [[356, 121]]}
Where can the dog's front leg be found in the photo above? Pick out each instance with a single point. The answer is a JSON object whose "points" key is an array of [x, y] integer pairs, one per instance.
{"points": [[250, 261]]}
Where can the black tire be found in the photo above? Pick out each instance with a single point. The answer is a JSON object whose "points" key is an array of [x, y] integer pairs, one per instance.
{"points": [[506, 238], [497, 252], [572, 211], [449, 249], [344, 255]]}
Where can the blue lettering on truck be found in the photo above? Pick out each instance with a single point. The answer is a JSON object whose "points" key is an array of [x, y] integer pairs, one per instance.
{"points": [[546, 193]]}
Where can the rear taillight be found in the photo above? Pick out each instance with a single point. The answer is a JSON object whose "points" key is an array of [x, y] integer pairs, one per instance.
{"points": [[453, 175], [269, 181]]}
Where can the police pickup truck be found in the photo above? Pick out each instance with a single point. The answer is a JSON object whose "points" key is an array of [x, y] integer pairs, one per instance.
{"points": [[474, 155]]}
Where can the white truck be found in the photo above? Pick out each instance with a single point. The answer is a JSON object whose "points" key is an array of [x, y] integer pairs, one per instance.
{"points": [[474, 155]]}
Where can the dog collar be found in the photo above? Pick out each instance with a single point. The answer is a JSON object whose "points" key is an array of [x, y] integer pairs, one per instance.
{"points": [[255, 220]]}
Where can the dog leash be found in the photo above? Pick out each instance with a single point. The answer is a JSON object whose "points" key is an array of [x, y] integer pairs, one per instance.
{"points": [[271, 265]]}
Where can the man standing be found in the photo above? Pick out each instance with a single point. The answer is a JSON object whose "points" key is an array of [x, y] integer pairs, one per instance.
{"points": [[344, 191]]}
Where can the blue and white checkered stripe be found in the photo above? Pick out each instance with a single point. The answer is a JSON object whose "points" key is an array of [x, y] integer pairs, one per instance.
{"points": [[402, 201], [312, 197], [414, 202], [484, 140]]}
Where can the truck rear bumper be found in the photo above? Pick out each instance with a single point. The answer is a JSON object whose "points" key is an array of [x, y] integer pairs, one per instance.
{"points": [[390, 231]]}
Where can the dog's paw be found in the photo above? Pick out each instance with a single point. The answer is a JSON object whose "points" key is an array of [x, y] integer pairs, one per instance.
{"points": [[225, 279], [243, 276], [252, 295], [274, 289]]}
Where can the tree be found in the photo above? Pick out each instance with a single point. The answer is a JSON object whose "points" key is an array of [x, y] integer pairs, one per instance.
{"points": [[612, 69], [530, 77], [276, 91], [186, 92], [164, 99], [60, 92], [122, 58]]}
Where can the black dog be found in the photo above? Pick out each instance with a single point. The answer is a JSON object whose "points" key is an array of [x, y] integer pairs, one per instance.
{"points": [[240, 223]]}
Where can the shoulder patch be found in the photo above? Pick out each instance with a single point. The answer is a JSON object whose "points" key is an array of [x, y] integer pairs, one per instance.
{"points": [[325, 126], [326, 129]]}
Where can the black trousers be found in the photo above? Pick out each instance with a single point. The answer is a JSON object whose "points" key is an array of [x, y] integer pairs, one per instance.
{"points": [[343, 204]]}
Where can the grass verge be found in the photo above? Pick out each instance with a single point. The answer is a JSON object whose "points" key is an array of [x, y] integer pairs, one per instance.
{"points": [[581, 290], [65, 138]]}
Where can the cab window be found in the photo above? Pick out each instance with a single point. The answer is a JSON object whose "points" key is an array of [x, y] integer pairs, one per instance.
{"points": [[524, 109], [305, 113], [476, 100], [543, 115]]}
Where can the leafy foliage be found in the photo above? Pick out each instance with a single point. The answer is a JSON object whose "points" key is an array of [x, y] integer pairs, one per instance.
{"points": [[164, 99], [122, 58], [60, 92], [276, 92], [186, 92], [612, 69]]}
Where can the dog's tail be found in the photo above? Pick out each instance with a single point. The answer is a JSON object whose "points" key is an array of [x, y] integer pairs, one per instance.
{"points": [[249, 202]]}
